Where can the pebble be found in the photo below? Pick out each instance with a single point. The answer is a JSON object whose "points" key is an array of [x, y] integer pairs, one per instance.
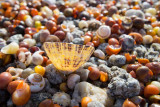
{"points": [[99, 54], [53, 76], [117, 60], [139, 51], [125, 80], [138, 13], [3, 32], [95, 93], [151, 55], [78, 41]]}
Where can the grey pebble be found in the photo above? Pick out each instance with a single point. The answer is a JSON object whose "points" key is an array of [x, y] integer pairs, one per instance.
{"points": [[102, 47], [139, 51], [151, 55], [88, 64], [53, 76], [119, 102], [117, 60], [78, 41], [77, 33], [123, 86]]}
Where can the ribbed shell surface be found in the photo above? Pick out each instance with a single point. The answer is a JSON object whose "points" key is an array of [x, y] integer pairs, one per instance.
{"points": [[66, 56]]}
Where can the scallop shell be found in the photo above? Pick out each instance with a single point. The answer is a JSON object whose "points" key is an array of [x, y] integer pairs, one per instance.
{"points": [[104, 32], [67, 57]]}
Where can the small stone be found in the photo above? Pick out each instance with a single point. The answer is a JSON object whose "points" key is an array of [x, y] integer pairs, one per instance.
{"points": [[102, 47], [95, 93], [77, 33], [99, 54], [53, 76], [117, 60], [102, 62], [3, 32], [123, 86], [94, 60], [132, 12], [139, 51], [78, 41], [152, 55], [155, 47], [83, 73], [88, 64]]}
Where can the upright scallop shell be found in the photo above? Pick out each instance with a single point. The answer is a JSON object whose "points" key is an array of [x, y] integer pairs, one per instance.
{"points": [[103, 32], [67, 57]]}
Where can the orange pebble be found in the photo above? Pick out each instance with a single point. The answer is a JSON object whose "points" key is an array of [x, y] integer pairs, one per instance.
{"points": [[128, 103], [85, 101], [96, 43], [46, 103], [113, 41], [8, 12], [87, 39], [143, 61], [34, 12], [128, 57], [103, 76], [137, 37], [80, 7], [5, 5], [150, 90]]}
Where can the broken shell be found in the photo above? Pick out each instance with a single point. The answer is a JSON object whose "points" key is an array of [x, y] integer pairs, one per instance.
{"points": [[22, 94], [104, 32], [65, 28], [36, 82], [73, 79], [15, 72], [28, 58], [12, 48], [68, 57], [37, 58], [13, 85], [21, 56]]}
